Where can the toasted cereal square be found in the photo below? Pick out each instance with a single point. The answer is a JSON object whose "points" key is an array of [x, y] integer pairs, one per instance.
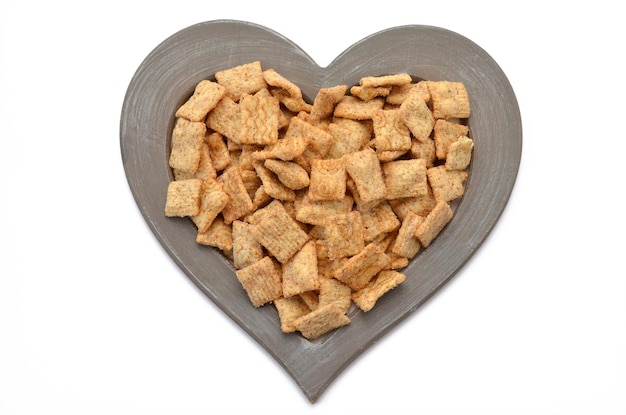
{"points": [[239, 202], [416, 115], [450, 99], [183, 197], [251, 181], [355, 108], [343, 235], [326, 99], [319, 140], [348, 136], [205, 97], [205, 167], [300, 272], [405, 178], [311, 299], [424, 150], [274, 79], [321, 321], [420, 205], [261, 281], [293, 104], [366, 93], [187, 141], [246, 250], [379, 220], [335, 292], [459, 154], [219, 235], [445, 133], [289, 173], [401, 92], [271, 185], [434, 223], [225, 119], [385, 80], [218, 151], [278, 232], [364, 168], [286, 149], [212, 200], [385, 281], [289, 309], [361, 206], [406, 244], [328, 179], [259, 119], [390, 132], [447, 185], [315, 213], [243, 79], [357, 271]]}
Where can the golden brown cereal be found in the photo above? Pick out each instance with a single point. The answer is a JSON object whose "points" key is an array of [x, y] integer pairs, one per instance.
{"points": [[243, 79], [447, 184], [289, 309], [359, 269], [321, 321], [450, 99], [316, 213], [183, 197], [459, 154], [405, 178], [212, 200], [271, 185], [417, 116], [290, 174], [205, 97], [275, 79], [326, 99], [261, 281], [285, 149], [390, 132], [406, 244], [386, 80], [386, 280], [343, 235], [225, 118], [335, 292], [379, 220], [425, 151], [364, 168], [367, 93], [356, 109], [259, 119], [436, 220], [246, 250], [239, 202], [219, 235], [445, 133], [328, 180], [205, 167], [311, 299], [300, 272], [319, 140], [348, 136], [400, 92], [187, 141]]}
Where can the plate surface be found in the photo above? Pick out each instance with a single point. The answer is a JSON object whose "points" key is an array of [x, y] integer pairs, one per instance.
{"points": [[167, 77]]}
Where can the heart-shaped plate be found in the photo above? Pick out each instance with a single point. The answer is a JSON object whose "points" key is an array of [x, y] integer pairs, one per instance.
{"points": [[167, 77]]}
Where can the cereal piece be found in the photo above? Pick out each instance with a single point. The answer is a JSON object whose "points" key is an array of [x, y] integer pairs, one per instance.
{"points": [[274, 79], [459, 154], [447, 184], [385, 156], [271, 185], [239, 202], [300, 272], [205, 97], [397, 261], [326, 99], [328, 180], [359, 269], [400, 92], [361, 206], [205, 167], [356, 109], [335, 292], [286, 149], [243, 79], [261, 281], [379, 220], [246, 250], [219, 235], [450, 99], [367, 93], [343, 235], [390, 132], [348, 136], [319, 140], [364, 168], [406, 244], [434, 223], [405, 178], [385, 80], [187, 141], [245, 160], [225, 118], [421, 205], [445, 133], [424, 150], [315, 213], [416, 115], [278, 232], [290, 174], [321, 321], [294, 104], [259, 119], [326, 267], [385, 281], [310, 298], [212, 200], [251, 181], [261, 198], [183, 197], [289, 309]]}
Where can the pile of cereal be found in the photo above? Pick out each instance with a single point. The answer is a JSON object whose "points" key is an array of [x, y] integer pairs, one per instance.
{"points": [[319, 206]]}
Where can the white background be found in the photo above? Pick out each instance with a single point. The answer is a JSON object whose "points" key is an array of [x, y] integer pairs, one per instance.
{"points": [[96, 319]]}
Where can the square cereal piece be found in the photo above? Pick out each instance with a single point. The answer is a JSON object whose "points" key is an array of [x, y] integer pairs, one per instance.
{"points": [[328, 179], [459, 154], [289, 309], [239, 202], [326, 99], [300, 272], [445, 133], [434, 223], [385, 80], [366, 93], [205, 167], [416, 115], [378, 221], [311, 299], [278, 232], [243, 79], [420, 205], [219, 235], [316, 213], [289, 173], [356, 109], [364, 168], [343, 235], [447, 185], [218, 151], [259, 119], [357, 271], [335, 292], [321, 321], [271, 185], [405, 178], [225, 119], [401, 92], [274, 79], [187, 141], [424, 150], [348, 136], [261, 281], [449, 99], [361, 206], [246, 250], [205, 97], [286, 148], [212, 200], [385, 281], [293, 104], [183, 198], [319, 140], [390, 132], [406, 244]]}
